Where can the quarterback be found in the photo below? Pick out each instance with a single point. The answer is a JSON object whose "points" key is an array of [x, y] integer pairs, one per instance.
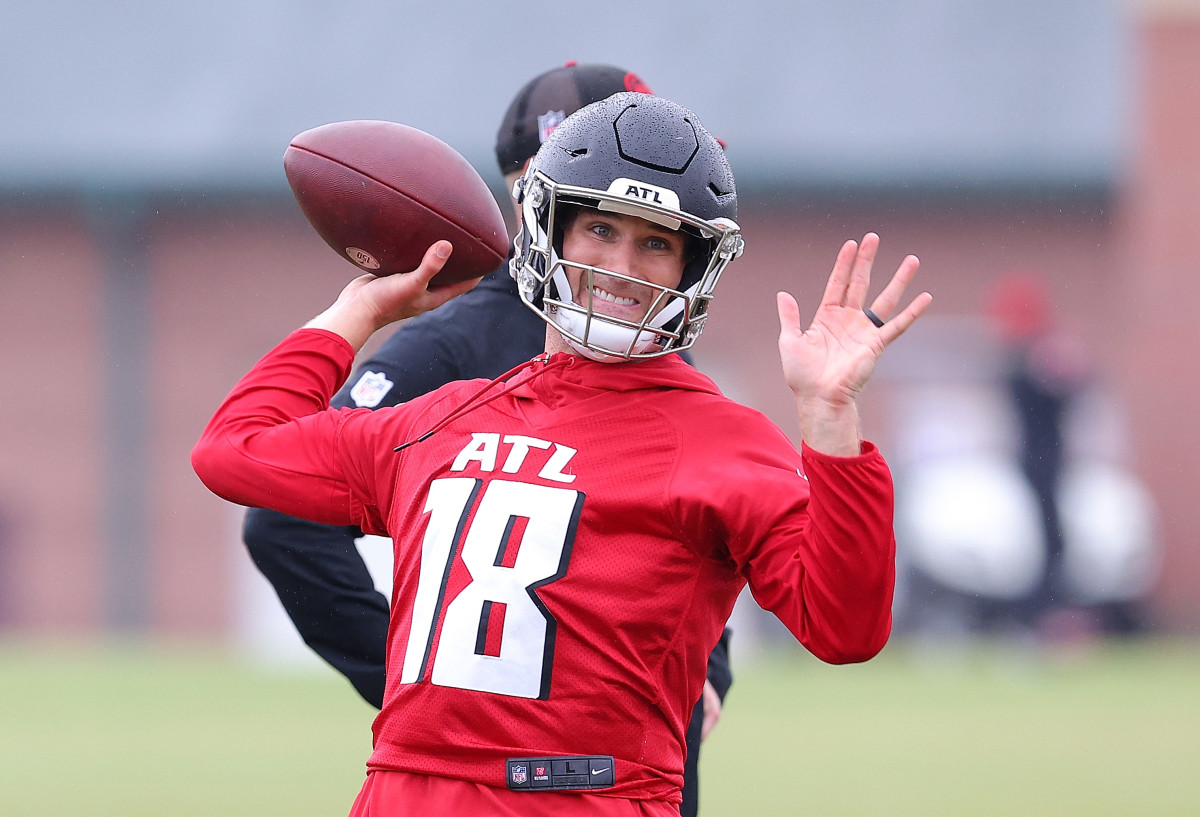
{"points": [[571, 537]]}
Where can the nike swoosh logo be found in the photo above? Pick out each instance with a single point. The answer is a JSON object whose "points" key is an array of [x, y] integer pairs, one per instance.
{"points": [[600, 771]]}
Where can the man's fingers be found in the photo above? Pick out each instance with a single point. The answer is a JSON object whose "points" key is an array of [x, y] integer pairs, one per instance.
{"points": [[839, 279], [860, 274], [886, 302], [789, 312], [896, 327], [711, 702], [434, 259], [439, 295]]}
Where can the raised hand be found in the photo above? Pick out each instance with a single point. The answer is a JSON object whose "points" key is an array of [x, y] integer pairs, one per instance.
{"points": [[827, 365]]}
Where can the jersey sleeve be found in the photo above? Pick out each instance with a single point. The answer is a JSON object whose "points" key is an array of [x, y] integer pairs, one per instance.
{"points": [[316, 569], [273, 444], [829, 570], [811, 534]]}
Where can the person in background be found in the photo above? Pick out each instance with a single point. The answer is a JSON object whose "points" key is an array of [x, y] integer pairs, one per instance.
{"points": [[1045, 370]]}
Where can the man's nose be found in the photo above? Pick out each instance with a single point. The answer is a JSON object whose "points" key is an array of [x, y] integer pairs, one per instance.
{"points": [[621, 257]]}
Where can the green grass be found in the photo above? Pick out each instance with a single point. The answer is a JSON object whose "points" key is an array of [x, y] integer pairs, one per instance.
{"points": [[134, 730], [996, 731]]}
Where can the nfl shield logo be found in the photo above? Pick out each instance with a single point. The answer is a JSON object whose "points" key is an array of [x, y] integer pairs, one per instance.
{"points": [[518, 774], [370, 389], [547, 122]]}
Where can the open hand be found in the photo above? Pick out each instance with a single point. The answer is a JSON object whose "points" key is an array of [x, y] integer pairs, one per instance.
{"points": [[827, 365]]}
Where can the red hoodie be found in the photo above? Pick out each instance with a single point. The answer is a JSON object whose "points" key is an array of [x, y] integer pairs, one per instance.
{"points": [[567, 553]]}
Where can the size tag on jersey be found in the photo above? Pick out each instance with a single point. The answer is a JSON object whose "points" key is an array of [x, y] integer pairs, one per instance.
{"points": [[558, 773]]}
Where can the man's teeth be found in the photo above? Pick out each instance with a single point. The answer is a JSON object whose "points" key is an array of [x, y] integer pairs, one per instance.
{"points": [[605, 295]]}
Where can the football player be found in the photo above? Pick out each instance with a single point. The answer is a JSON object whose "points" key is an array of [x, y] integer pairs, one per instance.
{"points": [[570, 537], [317, 570]]}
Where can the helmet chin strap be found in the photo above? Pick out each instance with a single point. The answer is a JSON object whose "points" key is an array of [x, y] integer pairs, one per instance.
{"points": [[605, 333], [602, 333]]}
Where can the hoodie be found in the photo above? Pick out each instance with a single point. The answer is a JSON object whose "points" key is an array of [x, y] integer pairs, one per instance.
{"points": [[569, 542]]}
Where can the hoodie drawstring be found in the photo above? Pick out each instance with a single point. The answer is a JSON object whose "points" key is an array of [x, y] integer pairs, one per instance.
{"points": [[473, 402]]}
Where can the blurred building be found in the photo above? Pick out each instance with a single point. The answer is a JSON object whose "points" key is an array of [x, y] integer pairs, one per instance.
{"points": [[150, 250]]}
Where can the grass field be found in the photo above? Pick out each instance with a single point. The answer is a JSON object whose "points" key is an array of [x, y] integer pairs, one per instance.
{"points": [[133, 730]]}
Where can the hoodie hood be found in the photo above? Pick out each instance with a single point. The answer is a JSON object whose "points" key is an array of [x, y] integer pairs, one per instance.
{"points": [[550, 381], [563, 378]]}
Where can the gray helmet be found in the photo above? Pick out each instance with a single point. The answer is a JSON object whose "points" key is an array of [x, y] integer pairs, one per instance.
{"points": [[637, 155]]}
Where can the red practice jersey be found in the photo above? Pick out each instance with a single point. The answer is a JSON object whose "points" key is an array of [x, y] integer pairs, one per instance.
{"points": [[567, 552]]}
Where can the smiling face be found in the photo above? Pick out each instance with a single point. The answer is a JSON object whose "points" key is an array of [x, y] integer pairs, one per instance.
{"points": [[626, 245]]}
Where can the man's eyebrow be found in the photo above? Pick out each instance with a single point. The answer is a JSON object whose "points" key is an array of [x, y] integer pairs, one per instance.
{"points": [[656, 227]]}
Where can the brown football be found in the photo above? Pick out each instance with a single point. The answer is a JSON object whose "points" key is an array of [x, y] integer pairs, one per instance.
{"points": [[380, 193]]}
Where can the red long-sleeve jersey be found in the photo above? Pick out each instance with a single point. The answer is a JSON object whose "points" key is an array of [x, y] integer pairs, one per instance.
{"points": [[567, 553]]}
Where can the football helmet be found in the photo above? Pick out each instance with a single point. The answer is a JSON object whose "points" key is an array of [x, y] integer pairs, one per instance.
{"points": [[632, 154]]}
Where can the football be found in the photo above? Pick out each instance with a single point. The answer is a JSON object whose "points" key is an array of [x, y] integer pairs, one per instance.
{"points": [[380, 193]]}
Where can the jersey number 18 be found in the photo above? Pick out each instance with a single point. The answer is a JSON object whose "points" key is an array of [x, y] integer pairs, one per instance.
{"points": [[507, 566]]}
